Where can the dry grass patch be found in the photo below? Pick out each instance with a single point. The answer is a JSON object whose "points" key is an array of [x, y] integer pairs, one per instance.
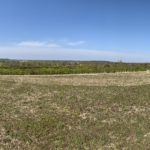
{"points": [[102, 111]]}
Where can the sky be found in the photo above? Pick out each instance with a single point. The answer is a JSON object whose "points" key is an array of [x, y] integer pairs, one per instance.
{"points": [[111, 30]]}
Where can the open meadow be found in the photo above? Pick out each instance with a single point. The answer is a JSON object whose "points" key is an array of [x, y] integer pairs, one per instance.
{"points": [[75, 112]]}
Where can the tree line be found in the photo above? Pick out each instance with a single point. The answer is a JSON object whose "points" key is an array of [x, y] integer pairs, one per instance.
{"points": [[22, 67]]}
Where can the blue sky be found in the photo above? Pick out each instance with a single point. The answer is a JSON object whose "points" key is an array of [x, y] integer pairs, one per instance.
{"points": [[75, 29]]}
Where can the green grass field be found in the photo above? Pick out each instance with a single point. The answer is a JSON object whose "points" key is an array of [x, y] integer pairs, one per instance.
{"points": [[75, 112]]}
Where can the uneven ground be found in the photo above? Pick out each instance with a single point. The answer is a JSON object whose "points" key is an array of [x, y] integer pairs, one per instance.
{"points": [[73, 112]]}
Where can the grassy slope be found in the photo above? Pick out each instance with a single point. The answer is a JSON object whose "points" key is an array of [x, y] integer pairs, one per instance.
{"points": [[39, 115]]}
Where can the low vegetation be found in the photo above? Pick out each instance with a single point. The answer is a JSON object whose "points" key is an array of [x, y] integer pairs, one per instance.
{"points": [[73, 112], [16, 67]]}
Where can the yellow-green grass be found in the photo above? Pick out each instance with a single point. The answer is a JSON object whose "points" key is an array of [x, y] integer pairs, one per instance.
{"points": [[73, 112]]}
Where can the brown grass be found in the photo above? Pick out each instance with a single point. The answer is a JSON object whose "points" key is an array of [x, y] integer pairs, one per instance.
{"points": [[90, 111]]}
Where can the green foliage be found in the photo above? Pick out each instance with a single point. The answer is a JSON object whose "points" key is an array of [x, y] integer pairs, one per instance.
{"points": [[16, 67]]}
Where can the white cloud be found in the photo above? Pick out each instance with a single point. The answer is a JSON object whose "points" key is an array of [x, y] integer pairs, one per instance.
{"points": [[77, 43], [31, 44], [59, 53], [59, 43], [37, 44], [52, 45], [63, 50]]}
